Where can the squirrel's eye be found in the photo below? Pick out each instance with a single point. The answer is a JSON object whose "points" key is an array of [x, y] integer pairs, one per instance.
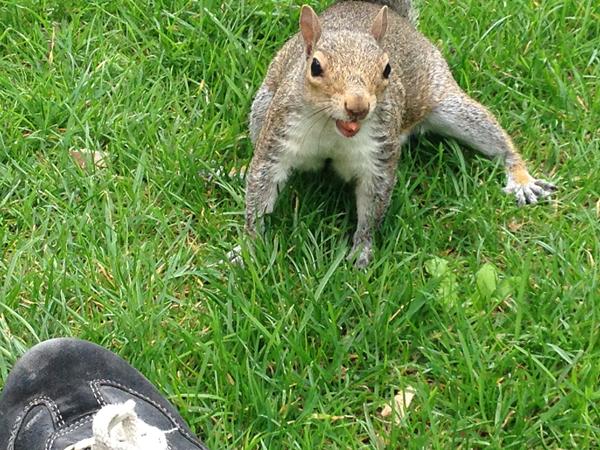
{"points": [[315, 68], [387, 71]]}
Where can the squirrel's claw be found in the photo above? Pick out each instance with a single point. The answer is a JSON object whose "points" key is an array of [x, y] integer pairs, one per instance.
{"points": [[549, 187], [530, 192]]}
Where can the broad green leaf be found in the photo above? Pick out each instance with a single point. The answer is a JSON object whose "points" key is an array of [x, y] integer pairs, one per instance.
{"points": [[487, 278], [436, 267]]}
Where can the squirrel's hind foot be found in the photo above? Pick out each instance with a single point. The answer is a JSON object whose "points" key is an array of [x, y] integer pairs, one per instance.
{"points": [[530, 191]]}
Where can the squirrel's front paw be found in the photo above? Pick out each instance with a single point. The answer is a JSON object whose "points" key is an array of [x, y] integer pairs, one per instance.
{"points": [[361, 255], [234, 256], [530, 191]]}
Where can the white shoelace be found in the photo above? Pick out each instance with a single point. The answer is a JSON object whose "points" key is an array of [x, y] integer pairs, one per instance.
{"points": [[117, 427]]}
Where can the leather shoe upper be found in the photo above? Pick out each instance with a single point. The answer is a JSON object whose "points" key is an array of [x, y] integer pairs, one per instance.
{"points": [[54, 390]]}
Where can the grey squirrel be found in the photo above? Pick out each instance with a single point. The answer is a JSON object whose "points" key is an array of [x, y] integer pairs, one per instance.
{"points": [[350, 88]]}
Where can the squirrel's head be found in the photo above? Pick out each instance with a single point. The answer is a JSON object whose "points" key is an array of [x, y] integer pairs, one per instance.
{"points": [[347, 71]]}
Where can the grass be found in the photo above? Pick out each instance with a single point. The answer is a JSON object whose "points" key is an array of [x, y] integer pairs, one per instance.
{"points": [[489, 312]]}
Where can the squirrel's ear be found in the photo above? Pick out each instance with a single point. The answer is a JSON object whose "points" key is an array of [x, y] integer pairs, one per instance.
{"points": [[380, 24], [310, 28]]}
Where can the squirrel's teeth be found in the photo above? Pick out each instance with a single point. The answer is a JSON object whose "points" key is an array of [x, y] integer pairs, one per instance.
{"points": [[347, 128]]}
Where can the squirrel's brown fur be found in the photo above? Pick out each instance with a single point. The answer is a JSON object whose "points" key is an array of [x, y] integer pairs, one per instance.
{"points": [[330, 95]]}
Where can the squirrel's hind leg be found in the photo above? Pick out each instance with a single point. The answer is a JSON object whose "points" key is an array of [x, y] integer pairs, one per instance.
{"points": [[459, 116]]}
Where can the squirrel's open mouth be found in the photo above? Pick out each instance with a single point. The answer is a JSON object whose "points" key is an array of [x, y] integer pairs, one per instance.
{"points": [[347, 128]]}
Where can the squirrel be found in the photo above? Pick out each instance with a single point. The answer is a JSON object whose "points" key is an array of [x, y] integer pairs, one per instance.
{"points": [[350, 88]]}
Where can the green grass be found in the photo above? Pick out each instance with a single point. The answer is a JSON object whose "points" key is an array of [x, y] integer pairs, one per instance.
{"points": [[490, 312]]}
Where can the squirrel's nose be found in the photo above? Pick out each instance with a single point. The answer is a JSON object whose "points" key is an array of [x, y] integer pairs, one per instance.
{"points": [[357, 107]]}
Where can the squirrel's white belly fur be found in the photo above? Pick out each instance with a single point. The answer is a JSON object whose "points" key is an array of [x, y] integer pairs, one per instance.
{"points": [[310, 141]]}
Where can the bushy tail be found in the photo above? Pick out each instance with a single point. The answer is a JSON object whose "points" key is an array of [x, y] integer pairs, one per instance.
{"points": [[402, 7], [405, 8]]}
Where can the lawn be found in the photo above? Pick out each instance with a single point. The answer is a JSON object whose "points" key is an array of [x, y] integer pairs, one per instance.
{"points": [[488, 312]]}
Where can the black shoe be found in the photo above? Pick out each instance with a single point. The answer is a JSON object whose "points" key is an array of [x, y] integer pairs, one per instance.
{"points": [[52, 397]]}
